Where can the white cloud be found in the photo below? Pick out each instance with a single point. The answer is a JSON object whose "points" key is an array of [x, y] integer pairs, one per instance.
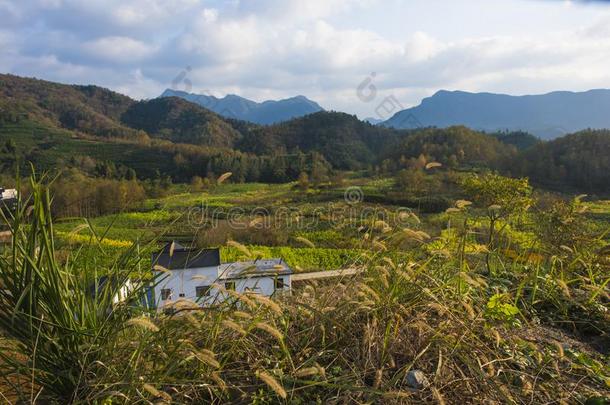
{"points": [[118, 49], [280, 48]]}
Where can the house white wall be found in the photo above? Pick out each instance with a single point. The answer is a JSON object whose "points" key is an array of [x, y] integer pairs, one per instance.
{"points": [[264, 285], [183, 284]]}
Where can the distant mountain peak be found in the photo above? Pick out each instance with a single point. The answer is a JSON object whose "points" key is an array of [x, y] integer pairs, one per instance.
{"points": [[266, 112], [546, 115]]}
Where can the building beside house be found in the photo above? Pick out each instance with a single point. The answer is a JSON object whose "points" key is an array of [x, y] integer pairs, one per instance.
{"points": [[195, 274], [8, 199]]}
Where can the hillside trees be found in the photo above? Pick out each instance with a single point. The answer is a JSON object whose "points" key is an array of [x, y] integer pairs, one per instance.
{"points": [[579, 161], [77, 195]]}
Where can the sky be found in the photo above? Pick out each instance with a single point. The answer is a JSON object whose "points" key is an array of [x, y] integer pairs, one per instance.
{"points": [[347, 55]]}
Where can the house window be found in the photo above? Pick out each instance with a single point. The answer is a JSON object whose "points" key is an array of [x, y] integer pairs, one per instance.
{"points": [[166, 294], [202, 291], [279, 283], [230, 285]]}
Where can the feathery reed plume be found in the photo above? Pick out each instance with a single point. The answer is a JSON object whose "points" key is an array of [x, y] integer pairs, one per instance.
{"points": [[462, 203], [144, 323], [151, 390], [307, 372], [381, 226], [158, 267], [241, 297], [184, 305], [172, 247], [272, 383], [321, 370], [270, 330], [378, 377], [497, 337], [564, 287], [242, 314], [389, 261], [379, 245], [469, 309], [559, 348], [233, 326], [396, 395], [438, 308], [78, 228], [207, 357], [218, 380], [255, 222], [239, 247], [305, 241], [366, 289], [268, 302], [469, 280], [437, 395], [223, 177], [423, 235]]}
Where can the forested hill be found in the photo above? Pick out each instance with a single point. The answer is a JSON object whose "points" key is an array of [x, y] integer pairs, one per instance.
{"points": [[91, 110], [53, 125], [180, 121], [343, 139], [580, 161]]}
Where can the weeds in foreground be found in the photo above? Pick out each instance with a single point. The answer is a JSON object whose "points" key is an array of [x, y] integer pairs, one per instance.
{"points": [[473, 336]]}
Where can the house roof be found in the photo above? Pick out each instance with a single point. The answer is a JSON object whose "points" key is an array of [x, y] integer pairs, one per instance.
{"points": [[186, 258], [255, 268]]}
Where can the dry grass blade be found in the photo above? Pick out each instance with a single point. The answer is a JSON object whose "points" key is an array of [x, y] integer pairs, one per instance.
{"points": [[305, 241], [432, 165], [223, 177]]}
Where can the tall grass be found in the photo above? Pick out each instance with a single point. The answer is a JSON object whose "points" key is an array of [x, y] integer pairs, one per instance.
{"points": [[475, 336], [56, 318]]}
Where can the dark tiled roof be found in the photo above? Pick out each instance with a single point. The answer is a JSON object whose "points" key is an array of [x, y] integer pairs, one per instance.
{"points": [[184, 258]]}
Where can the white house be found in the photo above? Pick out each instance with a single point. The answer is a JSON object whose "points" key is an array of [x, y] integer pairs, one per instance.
{"points": [[8, 198], [190, 274]]}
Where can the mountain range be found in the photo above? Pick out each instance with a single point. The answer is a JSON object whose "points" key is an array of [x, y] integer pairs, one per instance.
{"points": [[236, 107], [546, 116], [101, 132]]}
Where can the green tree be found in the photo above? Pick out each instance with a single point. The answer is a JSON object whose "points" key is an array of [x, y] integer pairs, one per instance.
{"points": [[303, 181], [503, 198]]}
